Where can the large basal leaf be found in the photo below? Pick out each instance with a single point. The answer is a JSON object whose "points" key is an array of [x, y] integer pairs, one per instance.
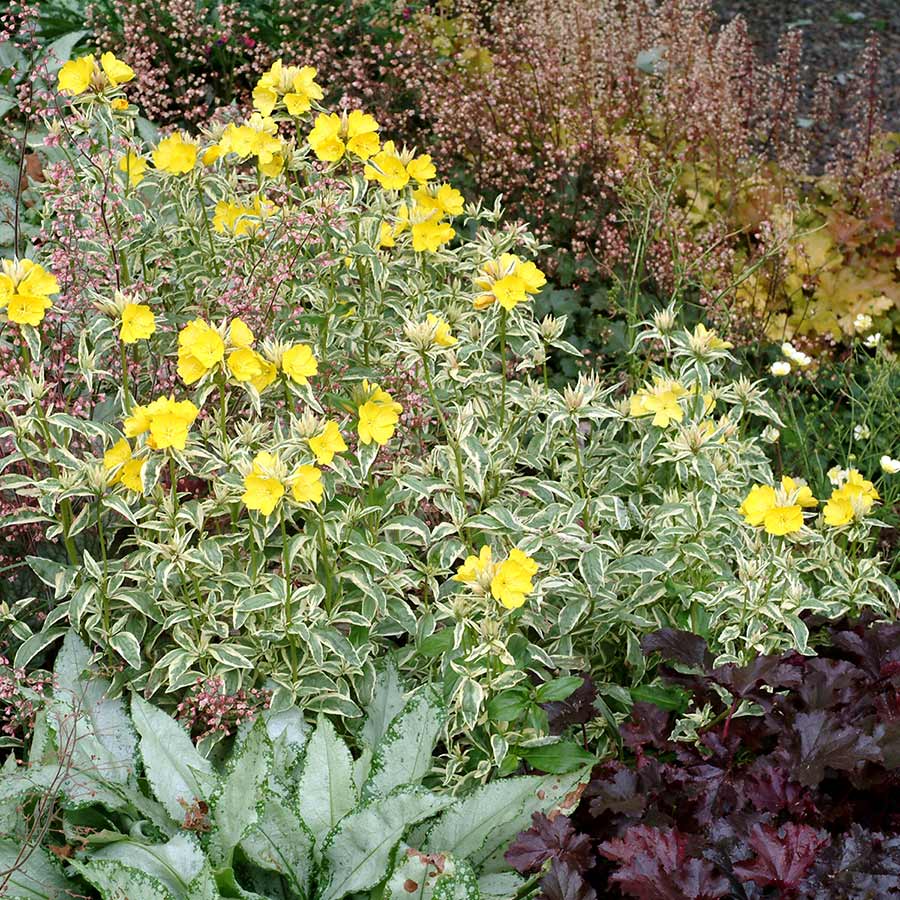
{"points": [[174, 864], [116, 881], [237, 805], [404, 754], [388, 698], [95, 728], [481, 825], [326, 789], [30, 874], [280, 842], [178, 774], [357, 854]]}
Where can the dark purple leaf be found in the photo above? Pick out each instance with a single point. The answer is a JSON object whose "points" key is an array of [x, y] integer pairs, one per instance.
{"points": [[648, 725], [782, 857], [682, 647], [655, 865], [577, 709], [618, 794], [549, 839], [563, 882], [859, 864], [826, 744]]}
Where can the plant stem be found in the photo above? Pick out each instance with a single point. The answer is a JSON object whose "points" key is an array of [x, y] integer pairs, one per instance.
{"points": [[326, 564], [454, 446], [126, 395], [502, 367], [581, 480]]}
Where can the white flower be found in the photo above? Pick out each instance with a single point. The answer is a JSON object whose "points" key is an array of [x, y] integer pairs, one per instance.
{"points": [[837, 476], [890, 466], [861, 432], [873, 340], [770, 434], [798, 357], [780, 368], [862, 322]]}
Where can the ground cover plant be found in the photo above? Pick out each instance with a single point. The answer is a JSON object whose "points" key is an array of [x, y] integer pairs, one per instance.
{"points": [[782, 790], [289, 481]]}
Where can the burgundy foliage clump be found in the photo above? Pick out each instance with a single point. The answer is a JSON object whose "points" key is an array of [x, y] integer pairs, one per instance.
{"points": [[790, 793]]}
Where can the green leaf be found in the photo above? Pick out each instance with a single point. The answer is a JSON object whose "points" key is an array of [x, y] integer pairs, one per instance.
{"points": [[357, 852], [404, 754], [127, 646], [664, 697], [483, 823], [558, 689], [508, 706], [280, 842], [177, 773], [96, 727], [563, 756], [114, 881], [31, 874], [239, 802], [174, 864], [36, 644], [326, 790]]}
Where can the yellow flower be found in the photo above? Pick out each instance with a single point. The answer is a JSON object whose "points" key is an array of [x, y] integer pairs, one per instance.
{"points": [[296, 86], [661, 401], [258, 137], [200, 349], [387, 168], [333, 135], [475, 566], [781, 520], [138, 323], [134, 167], [115, 70], [444, 199], [75, 76], [327, 444], [779, 511], [443, 337], [851, 501], [175, 155], [239, 334], [430, 235], [757, 503], [167, 419], [703, 340], [839, 510], [131, 473], [24, 291], [512, 582], [246, 364], [210, 155], [421, 168], [507, 281], [802, 494], [386, 236], [126, 469], [119, 453], [299, 364], [119, 104], [376, 423], [306, 484], [262, 486]]}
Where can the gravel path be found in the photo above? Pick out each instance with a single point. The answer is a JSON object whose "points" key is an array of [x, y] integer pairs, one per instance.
{"points": [[834, 34]]}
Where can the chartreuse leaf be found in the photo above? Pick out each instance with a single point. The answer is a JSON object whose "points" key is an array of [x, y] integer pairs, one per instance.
{"points": [[114, 880], [237, 805], [404, 754], [484, 822], [326, 789], [174, 864], [177, 773], [280, 842], [357, 853], [32, 874]]}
